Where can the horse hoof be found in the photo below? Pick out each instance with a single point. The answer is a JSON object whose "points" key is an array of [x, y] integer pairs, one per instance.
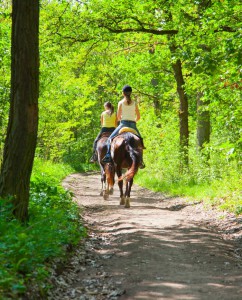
{"points": [[101, 193], [122, 201], [111, 191], [105, 197], [127, 203]]}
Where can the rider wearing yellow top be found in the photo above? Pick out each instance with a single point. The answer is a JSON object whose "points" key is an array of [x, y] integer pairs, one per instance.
{"points": [[107, 120], [108, 123], [128, 114]]}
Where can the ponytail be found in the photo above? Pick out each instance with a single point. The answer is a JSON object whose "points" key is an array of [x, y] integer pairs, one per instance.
{"points": [[110, 107], [127, 90], [127, 96]]}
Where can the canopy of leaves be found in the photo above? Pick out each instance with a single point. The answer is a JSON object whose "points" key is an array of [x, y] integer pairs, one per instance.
{"points": [[90, 49]]}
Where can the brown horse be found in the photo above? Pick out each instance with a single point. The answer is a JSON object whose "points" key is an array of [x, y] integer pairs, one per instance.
{"points": [[127, 152], [107, 169]]}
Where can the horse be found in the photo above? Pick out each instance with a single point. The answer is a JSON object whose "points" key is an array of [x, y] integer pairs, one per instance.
{"points": [[107, 169], [126, 152]]}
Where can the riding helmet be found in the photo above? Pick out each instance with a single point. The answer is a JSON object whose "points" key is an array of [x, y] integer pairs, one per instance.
{"points": [[127, 88]]}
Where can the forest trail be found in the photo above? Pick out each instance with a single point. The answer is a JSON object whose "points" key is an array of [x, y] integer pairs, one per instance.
{"points": [[160, 248]]}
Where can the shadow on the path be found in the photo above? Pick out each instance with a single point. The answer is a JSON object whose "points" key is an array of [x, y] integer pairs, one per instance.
{"points": [[176, 262], [180, 261], [154, 253]]}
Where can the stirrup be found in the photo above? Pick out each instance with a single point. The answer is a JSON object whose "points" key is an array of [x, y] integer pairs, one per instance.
{"points": [[107, 158], [142, 143], [142, 165], [94, 158]]}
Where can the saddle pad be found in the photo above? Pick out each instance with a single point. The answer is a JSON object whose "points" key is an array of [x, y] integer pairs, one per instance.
{"points": [[128, 129], [105, 134]]}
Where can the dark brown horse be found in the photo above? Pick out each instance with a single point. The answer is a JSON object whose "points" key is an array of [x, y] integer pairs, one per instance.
{"points": [[107, 169], [127, 152]]}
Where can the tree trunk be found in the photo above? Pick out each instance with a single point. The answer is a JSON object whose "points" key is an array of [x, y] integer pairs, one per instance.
{"points": [[183, 110], [22, 129], [156, 102], [203, 122]]}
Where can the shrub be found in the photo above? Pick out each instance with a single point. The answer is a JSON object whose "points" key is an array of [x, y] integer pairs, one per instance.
{"points": [[54, 223]]}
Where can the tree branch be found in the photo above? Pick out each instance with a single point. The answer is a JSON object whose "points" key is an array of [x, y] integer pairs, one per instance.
{"points": [[225, 28], [146, 30]]}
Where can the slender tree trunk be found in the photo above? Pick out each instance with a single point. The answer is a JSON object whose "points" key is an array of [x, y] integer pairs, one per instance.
{"points": [[203, 122], [155, 83], [22, 129], [156, 102], [183, 110]]}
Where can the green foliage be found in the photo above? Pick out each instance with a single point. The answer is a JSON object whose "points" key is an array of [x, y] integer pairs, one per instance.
{"points": [[90, 50], [213, 175], [54, 224], [5, 25]]}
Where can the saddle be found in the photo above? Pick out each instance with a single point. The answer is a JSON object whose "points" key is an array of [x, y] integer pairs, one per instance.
{"points": [[128, 129], [132, 130]]}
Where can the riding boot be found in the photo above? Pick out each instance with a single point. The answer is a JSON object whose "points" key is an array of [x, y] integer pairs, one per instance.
{"points": [[94, 157], [142, 143], [107, 158], [142, 164]]}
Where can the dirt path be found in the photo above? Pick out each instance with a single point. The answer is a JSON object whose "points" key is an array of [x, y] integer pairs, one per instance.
{"points": [[158, 249]]}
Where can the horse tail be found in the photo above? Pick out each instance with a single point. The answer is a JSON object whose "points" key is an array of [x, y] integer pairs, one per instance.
{"points": [[109, 171], [136, 159]]}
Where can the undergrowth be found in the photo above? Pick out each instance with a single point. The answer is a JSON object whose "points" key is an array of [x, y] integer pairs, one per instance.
{"points": [[225, 192], [213, 175], [27, 250]]}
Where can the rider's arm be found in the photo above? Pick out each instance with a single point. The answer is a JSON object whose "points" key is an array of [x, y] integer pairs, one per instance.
{"points": [[137, 112], [101, 119], [119, 112]]}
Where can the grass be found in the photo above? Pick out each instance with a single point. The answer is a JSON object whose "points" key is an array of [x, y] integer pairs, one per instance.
{"points": [[224, 193], [27, 250]]}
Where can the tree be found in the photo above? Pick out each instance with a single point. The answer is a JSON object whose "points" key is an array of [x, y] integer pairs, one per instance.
{"points": [[20, 143], [5, 28], [203, 122]]}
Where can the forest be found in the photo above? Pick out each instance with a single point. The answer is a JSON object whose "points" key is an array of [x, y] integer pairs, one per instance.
{"points": [[183, 60]]}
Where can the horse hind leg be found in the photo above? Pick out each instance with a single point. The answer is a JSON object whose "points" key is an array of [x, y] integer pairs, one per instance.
{"points": [[120, 185], [101, 192], [127, 193], [111, 191], [106, 193], [127, 202], [122, 200], [110, 177], [122, 196]]}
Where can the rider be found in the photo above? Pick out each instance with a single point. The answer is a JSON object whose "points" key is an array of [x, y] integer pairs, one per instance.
{"points": [[108, 123], [128, 114]]}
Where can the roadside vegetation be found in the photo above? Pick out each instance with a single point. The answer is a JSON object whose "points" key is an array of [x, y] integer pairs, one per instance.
{"points": [[224, 193], [213, 175], [183, 61], [54, 226]]}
